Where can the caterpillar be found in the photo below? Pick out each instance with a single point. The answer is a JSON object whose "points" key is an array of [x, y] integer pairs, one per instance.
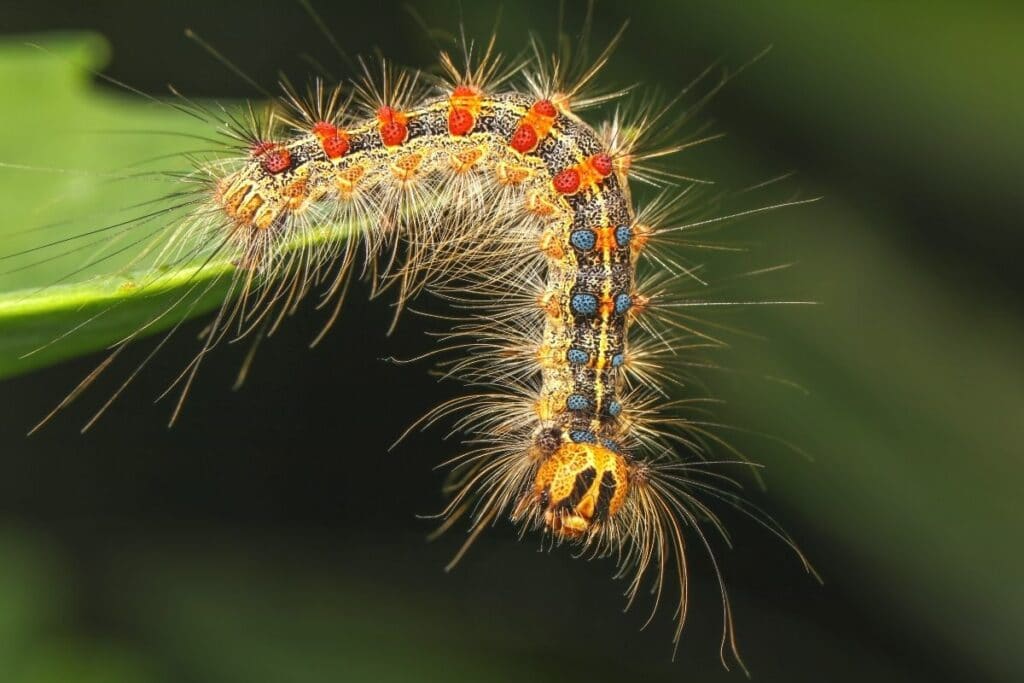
{"points": [[484, 186]]}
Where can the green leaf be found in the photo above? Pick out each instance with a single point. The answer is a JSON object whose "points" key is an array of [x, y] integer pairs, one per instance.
{"points": [[65, 149], [915, 405], [89, 136]]}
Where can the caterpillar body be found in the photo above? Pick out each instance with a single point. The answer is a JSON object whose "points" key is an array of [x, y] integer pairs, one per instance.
{"points": [[556, 167], [503, 201]]}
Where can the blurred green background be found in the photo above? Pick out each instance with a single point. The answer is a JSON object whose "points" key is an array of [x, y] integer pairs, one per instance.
{"points": [[270, 537]]}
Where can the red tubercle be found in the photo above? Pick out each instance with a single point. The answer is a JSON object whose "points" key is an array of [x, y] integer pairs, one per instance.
{"points": [[394, 133], [260, 148], [534, 126], [333, 140], [460, 121], [336, 145], [392, 126], [464, 106], [567, 181], [273, 157], [524, 139], [276, 160], [323, 130], [544, 108], [602, 163]]}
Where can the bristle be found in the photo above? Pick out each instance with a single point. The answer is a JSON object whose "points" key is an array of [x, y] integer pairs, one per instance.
{"points": [[574, 317]]}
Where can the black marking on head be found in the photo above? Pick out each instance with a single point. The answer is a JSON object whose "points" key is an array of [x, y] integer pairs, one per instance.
{"points": [[604, 497], [584, 480]]}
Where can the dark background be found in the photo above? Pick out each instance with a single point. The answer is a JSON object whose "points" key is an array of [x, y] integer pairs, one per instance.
{"points": [[270, 536]]}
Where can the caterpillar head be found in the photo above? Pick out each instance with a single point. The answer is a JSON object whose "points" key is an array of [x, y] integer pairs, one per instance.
{"points": [[580, 486]]}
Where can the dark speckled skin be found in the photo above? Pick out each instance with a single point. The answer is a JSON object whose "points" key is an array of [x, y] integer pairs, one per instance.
{"points": [[605, 271], [570, 142]]}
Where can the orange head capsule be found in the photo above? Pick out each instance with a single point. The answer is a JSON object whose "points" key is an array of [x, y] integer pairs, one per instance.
{"points": [[580, 486]]}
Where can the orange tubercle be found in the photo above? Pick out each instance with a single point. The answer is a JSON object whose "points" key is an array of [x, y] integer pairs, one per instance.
{"points": [[348, 179], [406, 166], [640, 304], [641, 236], [511, 175], [537, 202], [551, 245], [549, 302], [464, 160]]}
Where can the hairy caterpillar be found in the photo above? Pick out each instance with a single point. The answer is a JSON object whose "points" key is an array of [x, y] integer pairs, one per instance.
{"points": [[498, 197]]}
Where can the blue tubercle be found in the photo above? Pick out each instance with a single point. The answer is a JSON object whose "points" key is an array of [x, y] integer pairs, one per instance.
{"points": [[611, 445], [584, 304], [577, 356], [582, 436], [577, 402], [623, 234], [584, 240]]}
